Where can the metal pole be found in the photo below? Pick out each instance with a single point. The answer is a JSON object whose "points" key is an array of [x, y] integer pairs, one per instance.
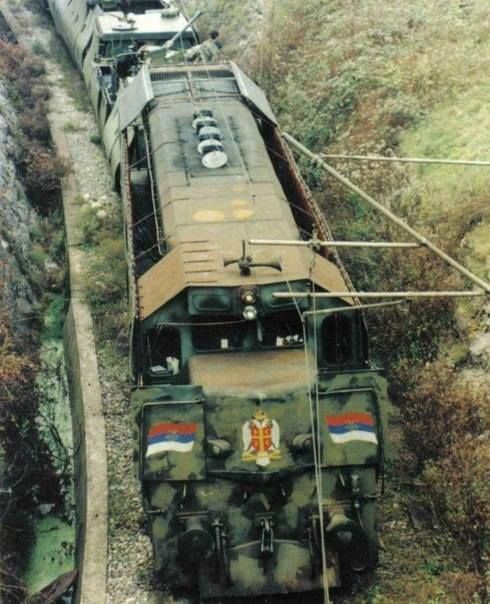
{"points": [[407, 160], [398, 221], [397, 294], [352, 308], [313, 243], [168, 45]]}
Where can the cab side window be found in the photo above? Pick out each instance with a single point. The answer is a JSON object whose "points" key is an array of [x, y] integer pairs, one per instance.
{"points": [[163, 352], [336, 339]]}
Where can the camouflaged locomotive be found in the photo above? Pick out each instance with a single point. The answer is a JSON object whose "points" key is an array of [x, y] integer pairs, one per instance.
{"points": [[258, 422]]}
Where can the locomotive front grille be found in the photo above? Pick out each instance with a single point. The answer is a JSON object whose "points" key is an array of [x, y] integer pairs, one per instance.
{"points": [[159, 76]]}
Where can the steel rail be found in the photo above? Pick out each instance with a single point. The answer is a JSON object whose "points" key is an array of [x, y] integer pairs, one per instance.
{"points": [[387, 213]]}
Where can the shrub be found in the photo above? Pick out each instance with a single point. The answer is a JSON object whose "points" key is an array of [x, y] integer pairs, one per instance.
{"points": [[96, 139], [42, 170], [39, 166], [106, 275], [439, 412], [38, 49], [446, 426], [71, 127], [459, 487]]}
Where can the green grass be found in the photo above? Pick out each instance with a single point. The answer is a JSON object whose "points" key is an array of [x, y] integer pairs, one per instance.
{"points": [[54, 317], [71, 127], [72, 81]]}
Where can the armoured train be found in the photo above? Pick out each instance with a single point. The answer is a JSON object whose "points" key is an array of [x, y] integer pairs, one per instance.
{"points": [[259, 420]]}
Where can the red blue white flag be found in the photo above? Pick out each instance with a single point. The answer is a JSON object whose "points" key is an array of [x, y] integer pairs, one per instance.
{"points": [[352, 426], [169, 436]]}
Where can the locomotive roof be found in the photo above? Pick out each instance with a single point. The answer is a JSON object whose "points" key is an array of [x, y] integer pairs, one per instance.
{"points": [[147, 25], [208, 213]]}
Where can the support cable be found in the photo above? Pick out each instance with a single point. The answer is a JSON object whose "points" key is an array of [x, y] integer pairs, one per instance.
{"points": [[313, 405]]}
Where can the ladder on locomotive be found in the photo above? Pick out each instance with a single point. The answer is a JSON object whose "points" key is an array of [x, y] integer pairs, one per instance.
{"points": [[159, 229]]}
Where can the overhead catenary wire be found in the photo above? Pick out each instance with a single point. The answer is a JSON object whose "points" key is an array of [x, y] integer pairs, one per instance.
{"points": [[317, 446], [361, 307], [383, 294]]}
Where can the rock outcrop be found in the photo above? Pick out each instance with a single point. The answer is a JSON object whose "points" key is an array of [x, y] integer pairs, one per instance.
{"points": [[18, 221]]}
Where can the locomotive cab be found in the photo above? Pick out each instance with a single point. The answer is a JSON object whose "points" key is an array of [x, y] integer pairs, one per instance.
{"points": [[218, 321]]}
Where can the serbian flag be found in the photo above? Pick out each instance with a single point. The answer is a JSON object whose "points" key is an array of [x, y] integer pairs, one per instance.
{"points": [[352, 426], [171, 437]]}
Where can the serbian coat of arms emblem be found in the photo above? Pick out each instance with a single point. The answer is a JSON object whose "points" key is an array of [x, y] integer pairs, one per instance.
{"points": [[261, 439]]}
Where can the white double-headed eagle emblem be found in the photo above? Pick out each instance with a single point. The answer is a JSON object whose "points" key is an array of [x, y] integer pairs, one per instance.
{"points": [[261, 439]]}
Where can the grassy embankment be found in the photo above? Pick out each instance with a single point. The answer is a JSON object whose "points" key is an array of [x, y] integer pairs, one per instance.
{"points": [[407, 79]]}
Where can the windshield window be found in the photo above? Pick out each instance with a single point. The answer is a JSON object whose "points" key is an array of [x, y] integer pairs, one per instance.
{"points": [[282, 330], [222, 333]]}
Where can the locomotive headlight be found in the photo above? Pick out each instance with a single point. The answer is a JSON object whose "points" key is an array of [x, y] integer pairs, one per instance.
{"points": [[249, 313], [248, 296]]}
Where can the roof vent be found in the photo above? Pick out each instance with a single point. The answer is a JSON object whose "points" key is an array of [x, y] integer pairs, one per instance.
{"points": [[210, 146], [203, 117], [207, 132], [169, 13], [203, 122], [126, 23], [212, 153]]}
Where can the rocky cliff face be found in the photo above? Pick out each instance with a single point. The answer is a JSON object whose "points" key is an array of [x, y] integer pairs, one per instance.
{"points": [[18, 221]]}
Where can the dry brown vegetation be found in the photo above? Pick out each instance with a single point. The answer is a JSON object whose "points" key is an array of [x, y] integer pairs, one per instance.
{"points": [[17, 408], [38, 163], [26, 473]]}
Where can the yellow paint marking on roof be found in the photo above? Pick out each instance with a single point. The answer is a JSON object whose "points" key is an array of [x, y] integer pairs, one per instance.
{"points": [[243, 213], [209, 216]]}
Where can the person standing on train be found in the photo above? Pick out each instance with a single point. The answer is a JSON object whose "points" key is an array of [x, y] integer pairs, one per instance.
{"points": [[206, 52]]}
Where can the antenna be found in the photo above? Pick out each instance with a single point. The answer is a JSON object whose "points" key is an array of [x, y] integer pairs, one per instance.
{"points": [[245, 262]]}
